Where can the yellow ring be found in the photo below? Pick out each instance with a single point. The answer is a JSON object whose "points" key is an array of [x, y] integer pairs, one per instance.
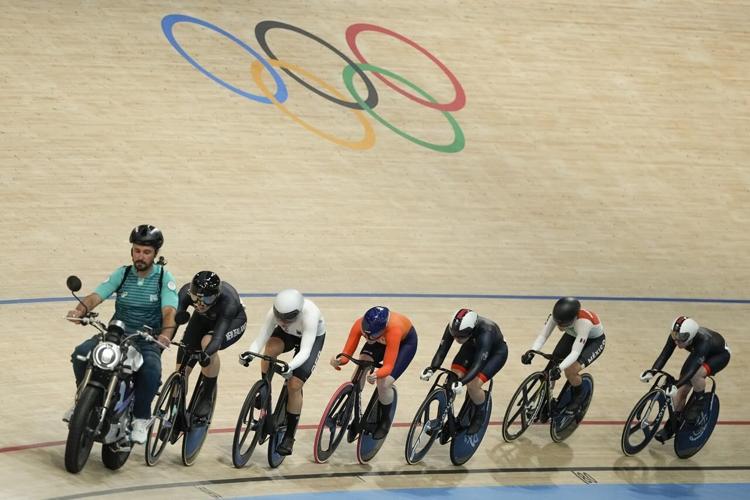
{"points": [[366, 142]]}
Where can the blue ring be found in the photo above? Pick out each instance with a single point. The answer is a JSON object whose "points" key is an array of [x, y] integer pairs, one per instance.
{"points": [[170, 20]]}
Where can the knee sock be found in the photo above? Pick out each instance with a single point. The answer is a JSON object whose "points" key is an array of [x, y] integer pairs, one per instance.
{"points": [[291, 423]]}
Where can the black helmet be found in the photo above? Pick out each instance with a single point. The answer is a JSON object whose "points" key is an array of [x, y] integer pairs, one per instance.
{"points": [[205, 287], [566, 311], [148, 235]]}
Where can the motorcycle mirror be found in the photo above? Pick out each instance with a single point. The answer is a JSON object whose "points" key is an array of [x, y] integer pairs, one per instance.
{"points": [[182, 317], [73, 283]]}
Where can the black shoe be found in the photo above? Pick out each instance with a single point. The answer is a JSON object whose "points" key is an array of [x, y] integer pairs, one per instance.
{"points": [[284, 448], [383, 427], [577, 400], [204, 407], [693, 413], [665, 434], [477, 422]]}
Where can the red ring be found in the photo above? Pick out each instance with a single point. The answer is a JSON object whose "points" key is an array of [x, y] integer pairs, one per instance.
{"points": [[457, 103]]}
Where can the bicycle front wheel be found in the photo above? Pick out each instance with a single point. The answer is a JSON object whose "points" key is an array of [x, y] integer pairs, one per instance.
{"points": [[334, 422], [250, 423], [524, 406], [643, 422], [165, 417], [425, 426]]}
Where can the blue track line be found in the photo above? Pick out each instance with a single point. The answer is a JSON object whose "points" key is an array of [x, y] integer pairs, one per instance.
{"points": [[489, 296], [663, 491]]}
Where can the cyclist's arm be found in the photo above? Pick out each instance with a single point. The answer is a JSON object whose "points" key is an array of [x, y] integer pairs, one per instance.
{"points": [[352, 340], [393, 337], [544, 334], [666, 353], [443, 348], [265, 333], [310, 321], [221, 328], [484, 346], [582, 328]]}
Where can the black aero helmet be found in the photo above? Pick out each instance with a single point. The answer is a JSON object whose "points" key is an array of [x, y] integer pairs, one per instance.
{"points": [[566, 311], [148, 235], [205, 287]]}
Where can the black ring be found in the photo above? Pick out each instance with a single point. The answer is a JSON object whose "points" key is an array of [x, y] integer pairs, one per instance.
{"points": [[260, 33]]}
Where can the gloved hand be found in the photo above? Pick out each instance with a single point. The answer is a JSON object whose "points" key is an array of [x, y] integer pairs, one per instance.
{"points": [[372, 377], [646, 376], [245, 359], [458, 388], [427, 373], [527, 357], [285, 372], [671, 391], [205, 359], [554, 373], [336, 363]]}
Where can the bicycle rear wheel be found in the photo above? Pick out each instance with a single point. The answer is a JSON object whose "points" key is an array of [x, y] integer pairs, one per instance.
{"points": [[524, 406], [334, 422], [463, 444], [643, 422], [197, 425], [165, 417], [425, 426], [367, 445], [279, 429], [250, 424], [563, 423], [690, 438]]}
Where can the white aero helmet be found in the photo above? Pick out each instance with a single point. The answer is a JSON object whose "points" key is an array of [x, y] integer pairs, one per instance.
{"points": [[684, 329], [463, 323], [288, 305]]}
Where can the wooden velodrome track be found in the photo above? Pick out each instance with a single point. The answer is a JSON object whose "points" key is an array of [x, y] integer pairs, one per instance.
{"points": [[606, 155]]}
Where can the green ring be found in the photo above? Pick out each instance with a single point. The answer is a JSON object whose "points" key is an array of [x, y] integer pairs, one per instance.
{"points": [[454, 147]]}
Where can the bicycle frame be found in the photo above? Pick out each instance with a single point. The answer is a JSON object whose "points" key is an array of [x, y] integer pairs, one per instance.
{"points": [[364, 368], [448, 416]]}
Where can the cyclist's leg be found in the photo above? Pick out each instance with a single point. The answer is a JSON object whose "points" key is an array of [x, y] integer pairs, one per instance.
{"points": [[196, 328], [492, 366], [371, 351], [591, 351], [294, 393], [407, 350], [278, 343]]}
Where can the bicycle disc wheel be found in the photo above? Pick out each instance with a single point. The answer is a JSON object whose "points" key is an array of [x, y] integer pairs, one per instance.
{"points": [[564, 423], [425, 426], [643, 422], [333, 423], [195, 435], [690, 438], [165, 416], [524, 406], [250, 424]]}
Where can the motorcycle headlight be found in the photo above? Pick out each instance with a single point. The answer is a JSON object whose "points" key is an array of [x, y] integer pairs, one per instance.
{"points": [[106, 355]]}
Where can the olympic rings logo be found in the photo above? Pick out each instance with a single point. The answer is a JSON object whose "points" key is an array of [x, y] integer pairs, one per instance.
{"points": [[261, 65]]}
